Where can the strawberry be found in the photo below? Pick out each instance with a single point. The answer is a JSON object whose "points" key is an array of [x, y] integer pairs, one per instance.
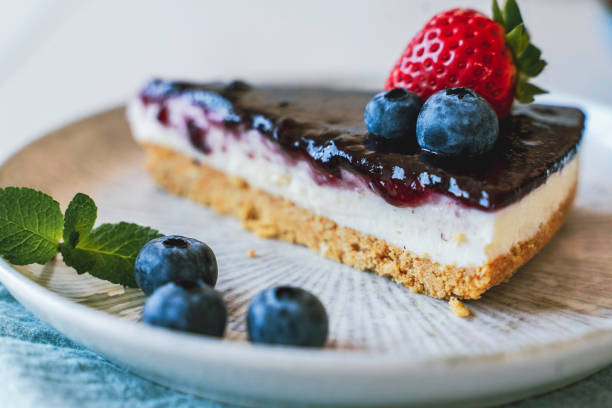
{"points": [[464, 48]]}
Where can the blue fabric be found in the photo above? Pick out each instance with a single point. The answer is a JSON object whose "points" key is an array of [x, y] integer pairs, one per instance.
{"points": [[41, 368]]}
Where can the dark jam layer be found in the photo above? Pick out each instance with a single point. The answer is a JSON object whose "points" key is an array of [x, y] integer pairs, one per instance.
{"points": [[326, 127]]}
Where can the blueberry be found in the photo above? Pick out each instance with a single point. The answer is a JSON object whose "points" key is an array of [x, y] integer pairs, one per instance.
{"points": [[187, 306], [393, 114], [287, 315], [174, 258], [457, 122]]}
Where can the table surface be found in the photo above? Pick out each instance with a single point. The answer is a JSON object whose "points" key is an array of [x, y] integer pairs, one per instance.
{"points": [[66, 59]]}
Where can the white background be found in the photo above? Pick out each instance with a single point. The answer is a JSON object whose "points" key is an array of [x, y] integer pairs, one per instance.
{"points": [[60, 60]]}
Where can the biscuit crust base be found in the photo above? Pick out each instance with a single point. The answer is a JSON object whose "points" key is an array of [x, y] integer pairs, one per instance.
{"points": [[270, 216]]}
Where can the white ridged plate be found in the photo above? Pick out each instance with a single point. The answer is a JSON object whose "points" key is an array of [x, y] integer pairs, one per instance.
{"points": [[550, 325]]}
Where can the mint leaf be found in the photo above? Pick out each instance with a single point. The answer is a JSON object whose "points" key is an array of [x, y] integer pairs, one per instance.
{"points": [[30, 226], [109, 251], [79, 219]]}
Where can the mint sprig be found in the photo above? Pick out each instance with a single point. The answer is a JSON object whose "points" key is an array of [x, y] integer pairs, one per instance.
{"points": [[527, 57], [32, 226]]}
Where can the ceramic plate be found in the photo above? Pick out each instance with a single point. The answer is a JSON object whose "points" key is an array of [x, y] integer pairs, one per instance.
{"points": [[550, 325]]}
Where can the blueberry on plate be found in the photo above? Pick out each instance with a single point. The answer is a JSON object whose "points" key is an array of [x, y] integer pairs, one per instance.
{"points": [[393, 114], [457, 122], [187, 306], [289, 316], [174, 258]]}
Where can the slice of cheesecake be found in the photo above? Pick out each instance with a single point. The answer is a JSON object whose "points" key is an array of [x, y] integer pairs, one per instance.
{"points": [[298, 164]]}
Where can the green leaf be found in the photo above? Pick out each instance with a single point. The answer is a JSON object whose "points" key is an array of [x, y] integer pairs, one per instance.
{"points": [[530, 63], [30, 226], [80, 218], [109, 251], [512, 15], [527, 56], [497, 14], [518, 39], [525, 91]]}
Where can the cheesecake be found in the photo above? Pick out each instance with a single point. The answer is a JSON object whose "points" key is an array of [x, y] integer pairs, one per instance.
{"points": [[298, 164]]}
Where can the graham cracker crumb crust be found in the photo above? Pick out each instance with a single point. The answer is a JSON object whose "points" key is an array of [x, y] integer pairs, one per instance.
{"points": [[269, 216]]}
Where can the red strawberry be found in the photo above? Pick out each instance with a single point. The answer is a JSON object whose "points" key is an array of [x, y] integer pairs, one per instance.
{"points": [[463, 48]]}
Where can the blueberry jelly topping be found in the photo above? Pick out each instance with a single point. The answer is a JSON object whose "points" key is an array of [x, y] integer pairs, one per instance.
{"points": [[325, 127]]}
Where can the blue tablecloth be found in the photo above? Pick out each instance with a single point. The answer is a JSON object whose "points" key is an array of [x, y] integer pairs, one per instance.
{"points": [[39, 367]]}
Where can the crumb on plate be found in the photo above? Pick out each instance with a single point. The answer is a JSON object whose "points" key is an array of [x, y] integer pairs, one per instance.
{"points": [[252, 253], [458, 308]]}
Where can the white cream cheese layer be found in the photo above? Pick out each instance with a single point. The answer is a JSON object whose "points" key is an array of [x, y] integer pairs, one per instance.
{"points": [[442, 229]]}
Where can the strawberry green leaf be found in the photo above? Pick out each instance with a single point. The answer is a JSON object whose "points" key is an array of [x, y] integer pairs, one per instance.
{"points": [[497, 14], [79, 219], [527, 57], [518, 40], [30, 226], [530, 63], [512, 15], [525, 92], [109, 251]]}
